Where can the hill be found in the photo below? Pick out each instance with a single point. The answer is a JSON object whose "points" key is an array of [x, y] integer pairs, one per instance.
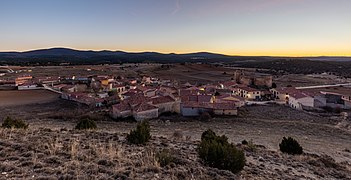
{"points": [[61, 55], [55, 56]]}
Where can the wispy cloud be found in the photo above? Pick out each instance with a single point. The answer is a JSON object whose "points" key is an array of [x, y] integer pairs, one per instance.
{"points": [[177, 8]]}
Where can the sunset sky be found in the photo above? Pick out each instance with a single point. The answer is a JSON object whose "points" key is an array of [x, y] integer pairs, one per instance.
{"points": [[233, 27]]}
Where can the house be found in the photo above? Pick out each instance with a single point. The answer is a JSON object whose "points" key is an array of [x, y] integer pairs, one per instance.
{"points": [[166, 104], [148, 91], [150, 80], [228, 109], [118, 88], [28, 86], [331, 99], [198, 98], [249, 93], [282, 94], [145, 111], [334, 97], [300, 100], [23, 79], [121, 110], [253, 78], [194, 108], [228, 98], [131, 93], [146, 79], [74, 88], [167, 90]]}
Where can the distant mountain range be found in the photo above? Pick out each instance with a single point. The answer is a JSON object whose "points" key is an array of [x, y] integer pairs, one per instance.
{"points": [[65, 55]]}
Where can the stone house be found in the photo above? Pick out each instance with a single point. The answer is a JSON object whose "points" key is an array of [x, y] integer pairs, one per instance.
{"points": [[166, 104], [253, 78], [300, 101], [145, 111], [121, 110], [249, 93], [228, 109]]}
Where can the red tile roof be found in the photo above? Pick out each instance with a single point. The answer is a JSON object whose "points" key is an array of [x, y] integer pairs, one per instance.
{"points": [[136, 99], [144, 107], [145, 88], [299, 95], [162, 99], [123, 106]]}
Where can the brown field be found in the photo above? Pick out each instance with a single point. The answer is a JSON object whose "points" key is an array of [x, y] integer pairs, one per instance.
{"points": [[194, 73], [297, 80], [82, 70], [14, 98]]}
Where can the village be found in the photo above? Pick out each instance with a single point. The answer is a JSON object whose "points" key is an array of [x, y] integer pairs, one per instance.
{"points": [[179, 102], [148, 97]]}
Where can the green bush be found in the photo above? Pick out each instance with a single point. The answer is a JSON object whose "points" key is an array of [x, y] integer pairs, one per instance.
{"points": [[164, 157], [86, 123], [14, 123], [140, 135], [217, 152], [290, 146]]}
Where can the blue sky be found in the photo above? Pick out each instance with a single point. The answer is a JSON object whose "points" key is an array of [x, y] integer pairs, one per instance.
{"points": [[236, 27]]}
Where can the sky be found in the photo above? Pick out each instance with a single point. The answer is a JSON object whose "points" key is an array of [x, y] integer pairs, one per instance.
{"points": [[232, 27]]}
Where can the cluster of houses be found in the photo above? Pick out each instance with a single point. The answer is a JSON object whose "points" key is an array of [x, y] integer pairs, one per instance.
{"points": [[148, 97], [314, 97]]}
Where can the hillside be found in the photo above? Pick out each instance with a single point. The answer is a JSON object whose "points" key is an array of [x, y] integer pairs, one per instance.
{"points": [[61, 55]]}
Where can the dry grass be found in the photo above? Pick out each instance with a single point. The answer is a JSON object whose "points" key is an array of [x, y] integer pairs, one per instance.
{"points": [[70, 154]]}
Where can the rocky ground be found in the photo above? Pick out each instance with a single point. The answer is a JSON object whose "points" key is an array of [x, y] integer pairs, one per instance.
{"points": [[50, 149], [70, 154]]}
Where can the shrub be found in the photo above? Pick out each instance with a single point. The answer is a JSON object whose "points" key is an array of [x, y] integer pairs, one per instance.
{"points": [[164, 157], [14, 123], [249, 145], [178, 135], [216, 152], [140, 135], [86, 123], [290, 146]]}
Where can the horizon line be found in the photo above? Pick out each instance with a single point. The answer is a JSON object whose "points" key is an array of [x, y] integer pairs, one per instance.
{"points": [[177, 53]]}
